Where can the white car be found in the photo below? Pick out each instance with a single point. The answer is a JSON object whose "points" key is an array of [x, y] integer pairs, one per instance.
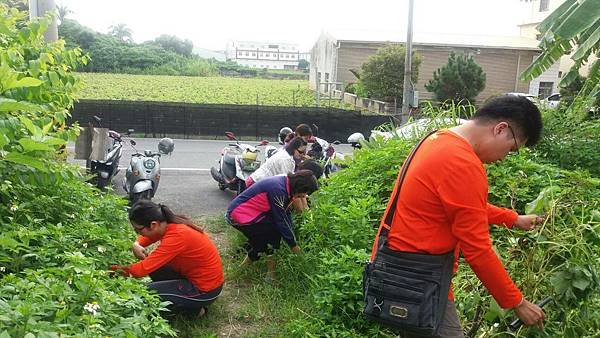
{"points": [[418, 127], [551, 101]]}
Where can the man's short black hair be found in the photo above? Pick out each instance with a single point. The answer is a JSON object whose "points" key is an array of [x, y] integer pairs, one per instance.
{"points": [[523, 115]]}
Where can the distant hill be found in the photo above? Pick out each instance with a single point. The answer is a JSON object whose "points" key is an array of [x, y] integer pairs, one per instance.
{"points": [[209, 54]]}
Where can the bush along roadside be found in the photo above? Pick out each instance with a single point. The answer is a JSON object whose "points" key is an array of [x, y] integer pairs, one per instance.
{"points": [[58, 240], [58, 235], [559, 259]]}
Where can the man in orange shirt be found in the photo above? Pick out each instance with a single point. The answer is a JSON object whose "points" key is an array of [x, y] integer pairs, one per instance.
{"points": [[443, 205]]}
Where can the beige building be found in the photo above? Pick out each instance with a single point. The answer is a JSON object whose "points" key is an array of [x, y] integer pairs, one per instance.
{"points": [[502, 58]]}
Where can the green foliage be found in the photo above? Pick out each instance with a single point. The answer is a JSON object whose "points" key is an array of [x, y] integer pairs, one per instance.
{"points": [[175, 44], [121, 32], [569, 93], [166, 55], [382, 76], [459, 81], [559, 259], [198, 89], [303, 64], [570, 139], [36, 89], [574, 25], [58, 235]]}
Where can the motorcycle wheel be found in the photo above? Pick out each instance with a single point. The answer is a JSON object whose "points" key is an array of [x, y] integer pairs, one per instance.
{"points": [[144, 195]]}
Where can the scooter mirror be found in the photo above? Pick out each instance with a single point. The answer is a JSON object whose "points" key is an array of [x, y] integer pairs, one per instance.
{"points": [[97, 118], [315, 129], [336, 142], [132, 142], [264, 142], [230, 135]]}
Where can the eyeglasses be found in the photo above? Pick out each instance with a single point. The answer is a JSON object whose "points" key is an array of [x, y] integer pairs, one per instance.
{"points": [[516, 150]]}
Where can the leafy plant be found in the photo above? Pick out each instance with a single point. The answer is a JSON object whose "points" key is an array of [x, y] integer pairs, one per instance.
{"points": [[58, 234], [574, 25], [225, 90], [382, 76], [459, 81]]}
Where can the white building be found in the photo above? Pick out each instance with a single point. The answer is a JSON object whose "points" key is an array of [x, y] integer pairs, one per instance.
{"points": [[264, 54]]}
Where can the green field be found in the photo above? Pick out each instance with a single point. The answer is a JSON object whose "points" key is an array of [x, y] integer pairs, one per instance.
{"points": [[224, 90]]}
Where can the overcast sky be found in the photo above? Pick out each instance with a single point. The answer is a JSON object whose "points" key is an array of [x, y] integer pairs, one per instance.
{"points": [[210, 24]]}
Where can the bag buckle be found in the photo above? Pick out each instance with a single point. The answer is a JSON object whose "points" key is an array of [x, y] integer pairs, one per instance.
{"points": [[398, 311]]}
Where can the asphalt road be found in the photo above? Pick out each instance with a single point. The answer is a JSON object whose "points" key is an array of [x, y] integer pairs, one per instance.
{"points": [[186, 184]]}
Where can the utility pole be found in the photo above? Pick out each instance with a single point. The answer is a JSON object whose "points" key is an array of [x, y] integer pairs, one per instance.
{"points": [[318, 78], [38, 8], [408, 92]]}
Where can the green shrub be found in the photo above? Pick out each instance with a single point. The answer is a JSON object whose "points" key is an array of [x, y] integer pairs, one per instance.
{"points": [[570, 140], [459, 81], [58, 234], [382, 76]]}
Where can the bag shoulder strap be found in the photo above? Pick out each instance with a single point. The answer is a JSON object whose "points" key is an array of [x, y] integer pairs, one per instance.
{"points": [[390, 214]]}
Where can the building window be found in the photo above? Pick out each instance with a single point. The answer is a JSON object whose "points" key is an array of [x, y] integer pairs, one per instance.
{"points": [[544, 5], [247, 54], [253, 54], [274, 46], [326, 84], [545, 89]]}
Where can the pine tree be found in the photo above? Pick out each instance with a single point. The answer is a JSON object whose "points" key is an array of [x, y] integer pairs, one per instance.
{"points": [[459, 81]]}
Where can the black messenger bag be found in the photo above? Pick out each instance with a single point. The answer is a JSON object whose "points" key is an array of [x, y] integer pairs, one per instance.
{"points": [[404, 290]]}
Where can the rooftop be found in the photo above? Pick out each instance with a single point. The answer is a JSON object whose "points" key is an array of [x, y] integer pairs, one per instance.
{"points": [[479, 41]]}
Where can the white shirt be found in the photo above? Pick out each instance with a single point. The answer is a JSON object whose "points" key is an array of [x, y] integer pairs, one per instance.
{"points": [[278, 164]]}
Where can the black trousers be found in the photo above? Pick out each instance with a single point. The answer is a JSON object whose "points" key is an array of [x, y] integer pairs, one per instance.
{"points": [[263, 237], [184, 296]]}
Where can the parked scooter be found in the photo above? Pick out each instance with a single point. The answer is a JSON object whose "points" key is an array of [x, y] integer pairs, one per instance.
{"points": [[355, 140], [271, 150], [104, 170], [237, 162], [143, 173]]}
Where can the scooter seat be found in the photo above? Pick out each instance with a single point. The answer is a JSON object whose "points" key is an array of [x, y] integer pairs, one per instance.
{"points": [[229, 159]]}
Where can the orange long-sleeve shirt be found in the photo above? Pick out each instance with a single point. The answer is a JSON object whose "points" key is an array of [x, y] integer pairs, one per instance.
{"points": [[189, 252], [443, 207]]}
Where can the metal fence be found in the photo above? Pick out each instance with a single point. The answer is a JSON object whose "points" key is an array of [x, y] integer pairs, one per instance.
{"points": [[160, 119]]}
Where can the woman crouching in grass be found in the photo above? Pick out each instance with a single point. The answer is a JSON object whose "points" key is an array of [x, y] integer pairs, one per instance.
{"points": [[185, 267]]}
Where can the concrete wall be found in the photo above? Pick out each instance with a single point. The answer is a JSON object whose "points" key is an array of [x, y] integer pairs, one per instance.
{"points": [[323, 58], [159, 119]]}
